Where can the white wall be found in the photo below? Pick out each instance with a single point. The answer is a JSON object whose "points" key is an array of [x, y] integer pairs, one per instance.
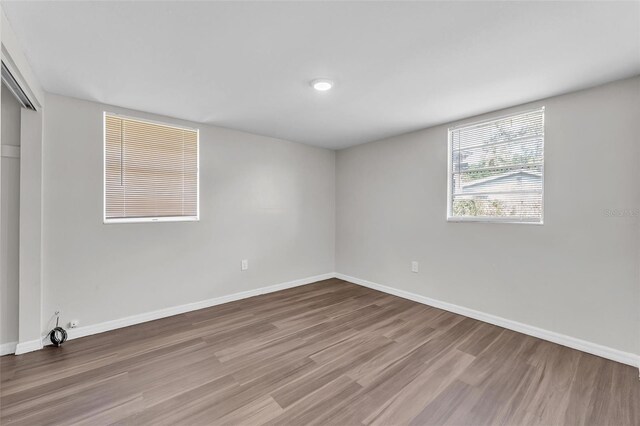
{"points": [[263, 199], [578, 274], [9, 234], [31, 287]]}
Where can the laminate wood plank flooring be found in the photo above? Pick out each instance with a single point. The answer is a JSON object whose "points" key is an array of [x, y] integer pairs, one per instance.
{"points": [[328, 353]]}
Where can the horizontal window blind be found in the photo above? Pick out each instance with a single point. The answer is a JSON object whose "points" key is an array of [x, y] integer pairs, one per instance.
{"points": [[496, 169], [151, 170]]}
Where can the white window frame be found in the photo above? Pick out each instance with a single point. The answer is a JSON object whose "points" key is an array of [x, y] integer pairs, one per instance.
{"points": [[488, 219], [106, 220]]}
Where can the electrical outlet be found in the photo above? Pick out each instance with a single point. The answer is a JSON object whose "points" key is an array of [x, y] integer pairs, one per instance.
{"points": [[414, 267], [244, 265], [74, 323]]}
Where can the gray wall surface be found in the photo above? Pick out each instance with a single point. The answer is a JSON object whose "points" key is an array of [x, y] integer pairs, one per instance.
{"points": [[262, 199], [9, 235], [578, 274], [31, 287]]}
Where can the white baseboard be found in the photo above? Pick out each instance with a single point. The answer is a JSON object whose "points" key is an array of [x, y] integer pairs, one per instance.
{"points": [[88, 330], [8, 348], [551, 336], [28, 346], [561, 339]]}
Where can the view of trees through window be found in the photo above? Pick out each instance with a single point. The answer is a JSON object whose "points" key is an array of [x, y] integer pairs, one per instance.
{"points": [[497, 168]]}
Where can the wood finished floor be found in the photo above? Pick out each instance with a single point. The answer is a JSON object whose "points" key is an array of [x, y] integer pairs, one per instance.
{"points": [[326, 353]]}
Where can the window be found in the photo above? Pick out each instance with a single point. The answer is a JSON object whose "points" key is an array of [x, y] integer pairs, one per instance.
{"points": [[150, 171], [496, 169]]}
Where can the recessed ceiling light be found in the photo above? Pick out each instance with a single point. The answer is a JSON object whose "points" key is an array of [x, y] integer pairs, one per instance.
{"points": [[322, 84]]}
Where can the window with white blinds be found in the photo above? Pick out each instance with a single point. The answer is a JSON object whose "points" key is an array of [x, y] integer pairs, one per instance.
{"points": [[496, 169], [150, 171]]}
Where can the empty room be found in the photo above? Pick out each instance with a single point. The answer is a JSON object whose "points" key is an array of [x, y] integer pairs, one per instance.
{"points": [[320, 213]]}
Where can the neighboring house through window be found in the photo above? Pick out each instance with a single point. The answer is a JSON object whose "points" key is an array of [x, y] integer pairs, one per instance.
{"points": [[496, 169]]}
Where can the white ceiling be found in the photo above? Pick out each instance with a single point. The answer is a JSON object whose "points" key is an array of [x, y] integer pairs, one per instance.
{"points": [[397, 66]]}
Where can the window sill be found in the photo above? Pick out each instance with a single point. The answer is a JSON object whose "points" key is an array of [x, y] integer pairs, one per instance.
{"points": [[151, 219], [510, 220]]}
